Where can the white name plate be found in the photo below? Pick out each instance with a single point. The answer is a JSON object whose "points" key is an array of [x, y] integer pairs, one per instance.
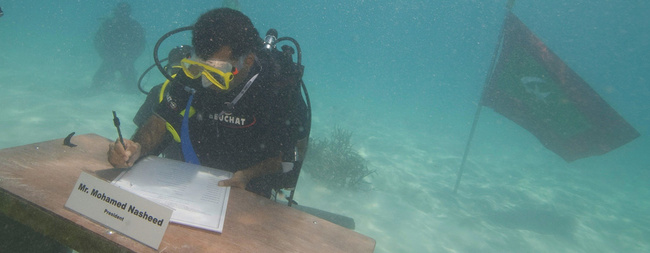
{"points": [[120, 210]]}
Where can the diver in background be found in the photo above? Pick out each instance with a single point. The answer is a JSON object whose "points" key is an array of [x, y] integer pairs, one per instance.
{"points": [[119, 41], [1, 13]]}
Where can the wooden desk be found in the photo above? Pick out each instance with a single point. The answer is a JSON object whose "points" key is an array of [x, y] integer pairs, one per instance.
{"points": [[36, 180]]}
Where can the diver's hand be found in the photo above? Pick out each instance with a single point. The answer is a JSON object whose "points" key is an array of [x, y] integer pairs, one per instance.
{"points": [[120, 158], [238, 180]]}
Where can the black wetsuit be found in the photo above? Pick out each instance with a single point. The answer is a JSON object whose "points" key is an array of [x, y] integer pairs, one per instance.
{"points": [[119, 42], [266, 120]]}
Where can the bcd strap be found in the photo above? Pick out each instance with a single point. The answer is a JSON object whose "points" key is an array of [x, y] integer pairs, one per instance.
{"points": [[186, 144]]}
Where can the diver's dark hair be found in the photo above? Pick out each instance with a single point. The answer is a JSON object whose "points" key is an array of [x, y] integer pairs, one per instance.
{"points": [[225, 27]]}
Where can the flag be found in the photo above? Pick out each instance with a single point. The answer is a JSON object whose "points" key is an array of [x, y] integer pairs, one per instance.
{"points": [[533, 87]]}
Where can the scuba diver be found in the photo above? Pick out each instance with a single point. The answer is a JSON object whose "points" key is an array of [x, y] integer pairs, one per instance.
{"points": [[231, 101], [119, 41], [1, 12]]}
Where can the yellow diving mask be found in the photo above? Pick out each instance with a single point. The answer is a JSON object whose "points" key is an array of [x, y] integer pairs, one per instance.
{"points": [[219, 73]]}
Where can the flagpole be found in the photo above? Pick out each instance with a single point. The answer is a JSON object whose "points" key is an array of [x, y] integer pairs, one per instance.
{"points": [[469, 141], [509, 6]]}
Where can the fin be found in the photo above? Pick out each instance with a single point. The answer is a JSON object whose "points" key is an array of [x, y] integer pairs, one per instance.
{"points": [[67, 142]]}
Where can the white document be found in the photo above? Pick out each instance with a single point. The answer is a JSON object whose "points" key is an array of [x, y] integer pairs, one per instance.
{"points": [[190, 190]]}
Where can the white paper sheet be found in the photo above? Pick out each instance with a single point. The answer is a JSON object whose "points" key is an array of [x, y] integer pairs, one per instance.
{"points": [[191, 190]]}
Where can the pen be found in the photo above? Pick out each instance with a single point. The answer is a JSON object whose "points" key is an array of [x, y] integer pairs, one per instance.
{"points": [[116, 122]]}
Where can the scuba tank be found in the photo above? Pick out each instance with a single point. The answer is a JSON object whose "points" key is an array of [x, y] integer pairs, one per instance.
{"points": [[284, 70]]}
